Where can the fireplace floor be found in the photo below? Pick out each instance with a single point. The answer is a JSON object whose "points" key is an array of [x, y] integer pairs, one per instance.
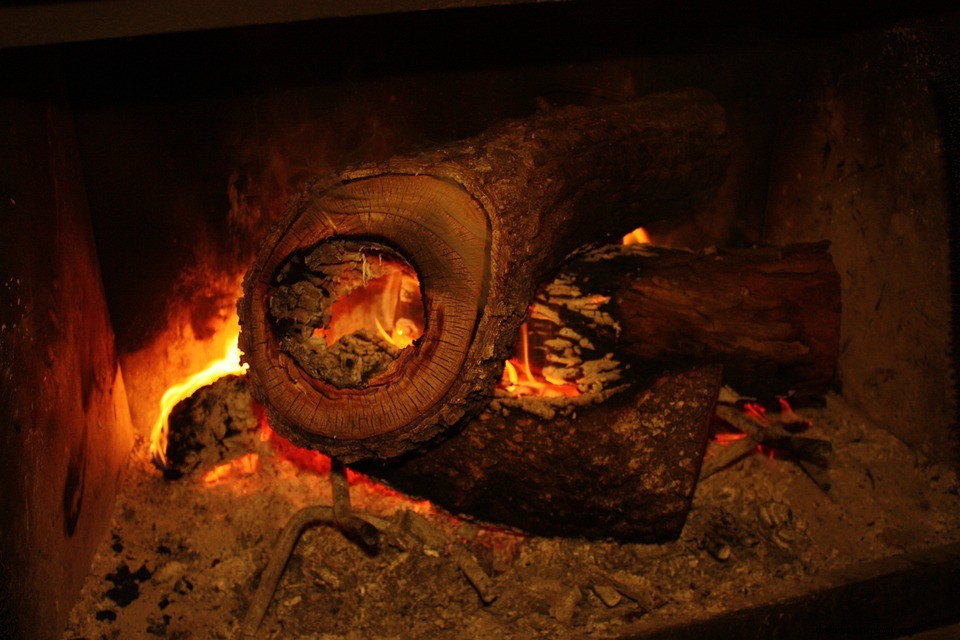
{"points": [[183, 557]]}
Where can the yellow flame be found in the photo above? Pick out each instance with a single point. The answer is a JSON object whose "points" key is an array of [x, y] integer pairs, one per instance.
{"points": [[228, 365], [555, 381], [404, 332], [637, 236], [512, 377], [525, 337]]}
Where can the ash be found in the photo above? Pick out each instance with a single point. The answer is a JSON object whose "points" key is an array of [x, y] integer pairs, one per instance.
{"points": [[184, 557]]}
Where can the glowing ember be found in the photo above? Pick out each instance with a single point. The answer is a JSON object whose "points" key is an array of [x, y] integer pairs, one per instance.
{"points": [[522, 378], [314, 462], [755, 411], [229, 364], [637, 236], [238, 467], [727, 437]]}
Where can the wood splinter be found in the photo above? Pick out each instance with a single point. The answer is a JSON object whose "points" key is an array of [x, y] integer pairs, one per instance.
{"points": [[812, 455]]}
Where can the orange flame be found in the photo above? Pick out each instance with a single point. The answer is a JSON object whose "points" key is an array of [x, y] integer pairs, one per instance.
{"points": [[637, 236], [390, 304], [229, 364], [405, 332], [534, 382], [727, 437], [238, 467]]}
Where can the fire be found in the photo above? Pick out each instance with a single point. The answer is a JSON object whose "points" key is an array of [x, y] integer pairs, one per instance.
{"points": [[637, 236], [238, 467], [391, 304], [521, 377], [405, 332], [229, 364], [534, 382]]}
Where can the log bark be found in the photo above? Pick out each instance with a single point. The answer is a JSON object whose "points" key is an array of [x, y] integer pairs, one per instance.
{"points": [[770, 316], [625, 469], [483, 222]]}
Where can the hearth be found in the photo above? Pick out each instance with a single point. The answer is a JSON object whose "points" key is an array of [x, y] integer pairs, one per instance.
{"points": [[636, 324]]}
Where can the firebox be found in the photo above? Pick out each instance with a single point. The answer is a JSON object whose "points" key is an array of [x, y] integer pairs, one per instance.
{"points": [[478, 319]]}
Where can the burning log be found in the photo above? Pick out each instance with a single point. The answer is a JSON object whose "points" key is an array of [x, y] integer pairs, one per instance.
{"points": [[588, 312], [770, 316], [217, 422], [625, 468], [481, 224]]}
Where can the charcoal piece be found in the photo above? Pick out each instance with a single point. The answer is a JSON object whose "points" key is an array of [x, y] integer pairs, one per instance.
{"points": [[302, 302], [218, 422], [348, 363]]}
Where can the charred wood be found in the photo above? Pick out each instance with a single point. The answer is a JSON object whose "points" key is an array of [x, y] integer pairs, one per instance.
{"points": [[484, 222], [814, 450], [215, 424], [625, 468]]}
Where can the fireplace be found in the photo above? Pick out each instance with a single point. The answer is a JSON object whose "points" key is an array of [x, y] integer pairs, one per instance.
{"points": [[144, 175]]}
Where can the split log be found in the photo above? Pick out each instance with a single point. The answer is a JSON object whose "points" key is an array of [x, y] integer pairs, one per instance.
{"points": [[770, 316], [483, 222], [624, 469]]}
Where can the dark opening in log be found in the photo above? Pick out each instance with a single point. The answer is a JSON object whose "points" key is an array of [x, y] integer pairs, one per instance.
{"points": [[345, 310]]}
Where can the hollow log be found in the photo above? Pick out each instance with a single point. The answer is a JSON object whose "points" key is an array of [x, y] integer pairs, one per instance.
{"points": [[625, 469], [483, 222], [770, 316]]}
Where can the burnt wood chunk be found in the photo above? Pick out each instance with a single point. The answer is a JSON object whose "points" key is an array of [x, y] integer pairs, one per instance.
{"points": [[625, 468], [770, 316], [483, 221]]}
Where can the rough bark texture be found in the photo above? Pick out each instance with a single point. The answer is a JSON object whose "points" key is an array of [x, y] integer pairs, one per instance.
{"points": [[483, 222], [770, 316], [625, 469]]}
